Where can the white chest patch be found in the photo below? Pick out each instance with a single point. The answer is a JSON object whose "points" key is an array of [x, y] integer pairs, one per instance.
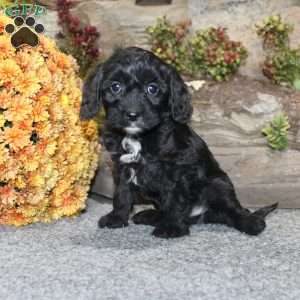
{"points": [[197, 211], [133, 148]]}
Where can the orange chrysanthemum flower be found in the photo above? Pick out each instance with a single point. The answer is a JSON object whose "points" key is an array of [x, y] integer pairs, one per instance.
{"points": [[6, 48], [7, 195], [9, 71], [20, 182], [19, 110], [62, 61], [4, 95], [40, 113], [16, 138], [28, 84], [2, 121], [4, 20], [44, 129], [3, 154], [9, 169], [25, 125]]}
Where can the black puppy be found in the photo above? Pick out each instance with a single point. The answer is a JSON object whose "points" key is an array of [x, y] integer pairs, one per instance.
{"points": [[156, 155]]}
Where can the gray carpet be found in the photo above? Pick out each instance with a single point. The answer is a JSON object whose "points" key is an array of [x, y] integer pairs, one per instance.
{"points": [[72, 259]]}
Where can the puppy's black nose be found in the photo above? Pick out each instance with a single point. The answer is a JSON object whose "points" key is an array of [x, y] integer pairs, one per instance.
{"points": [[132, 116]]}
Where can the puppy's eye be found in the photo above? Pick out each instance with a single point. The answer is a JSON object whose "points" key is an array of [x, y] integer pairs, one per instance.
{"points": [[152, 89], [116, 88]]}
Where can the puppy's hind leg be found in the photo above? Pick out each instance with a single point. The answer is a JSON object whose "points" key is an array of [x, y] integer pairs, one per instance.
{"points": [[224, 208]]}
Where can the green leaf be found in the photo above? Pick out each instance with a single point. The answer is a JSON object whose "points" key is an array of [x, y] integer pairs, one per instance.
{"points": [[296, 84]]}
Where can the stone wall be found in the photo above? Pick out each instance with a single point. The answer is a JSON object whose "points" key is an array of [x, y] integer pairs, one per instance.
{"points": [[122, 23]]}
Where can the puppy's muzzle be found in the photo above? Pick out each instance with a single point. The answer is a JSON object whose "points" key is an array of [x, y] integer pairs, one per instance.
{"points": [[132, 116]]}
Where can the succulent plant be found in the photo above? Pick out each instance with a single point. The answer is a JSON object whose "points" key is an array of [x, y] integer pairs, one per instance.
{"points": [[277, 132], [214, 54], [282, 63], [274, 32], [168, 42]]}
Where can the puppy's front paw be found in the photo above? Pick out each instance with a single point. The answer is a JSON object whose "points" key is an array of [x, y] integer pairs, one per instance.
{"points": [[170, 231], [112, 221]]}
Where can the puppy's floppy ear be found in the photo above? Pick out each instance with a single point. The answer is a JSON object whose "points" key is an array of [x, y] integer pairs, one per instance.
{"points": [[91, 100], [179, 98]]}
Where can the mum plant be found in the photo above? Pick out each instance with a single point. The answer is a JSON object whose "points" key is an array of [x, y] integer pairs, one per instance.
{"points": [[47, 155]]}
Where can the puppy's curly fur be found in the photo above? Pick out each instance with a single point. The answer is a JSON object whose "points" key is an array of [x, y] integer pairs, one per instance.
{"points": [[156, 155]]}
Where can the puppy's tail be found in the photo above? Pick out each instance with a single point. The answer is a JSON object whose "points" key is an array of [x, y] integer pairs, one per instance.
{"points": [[264, 211]]}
